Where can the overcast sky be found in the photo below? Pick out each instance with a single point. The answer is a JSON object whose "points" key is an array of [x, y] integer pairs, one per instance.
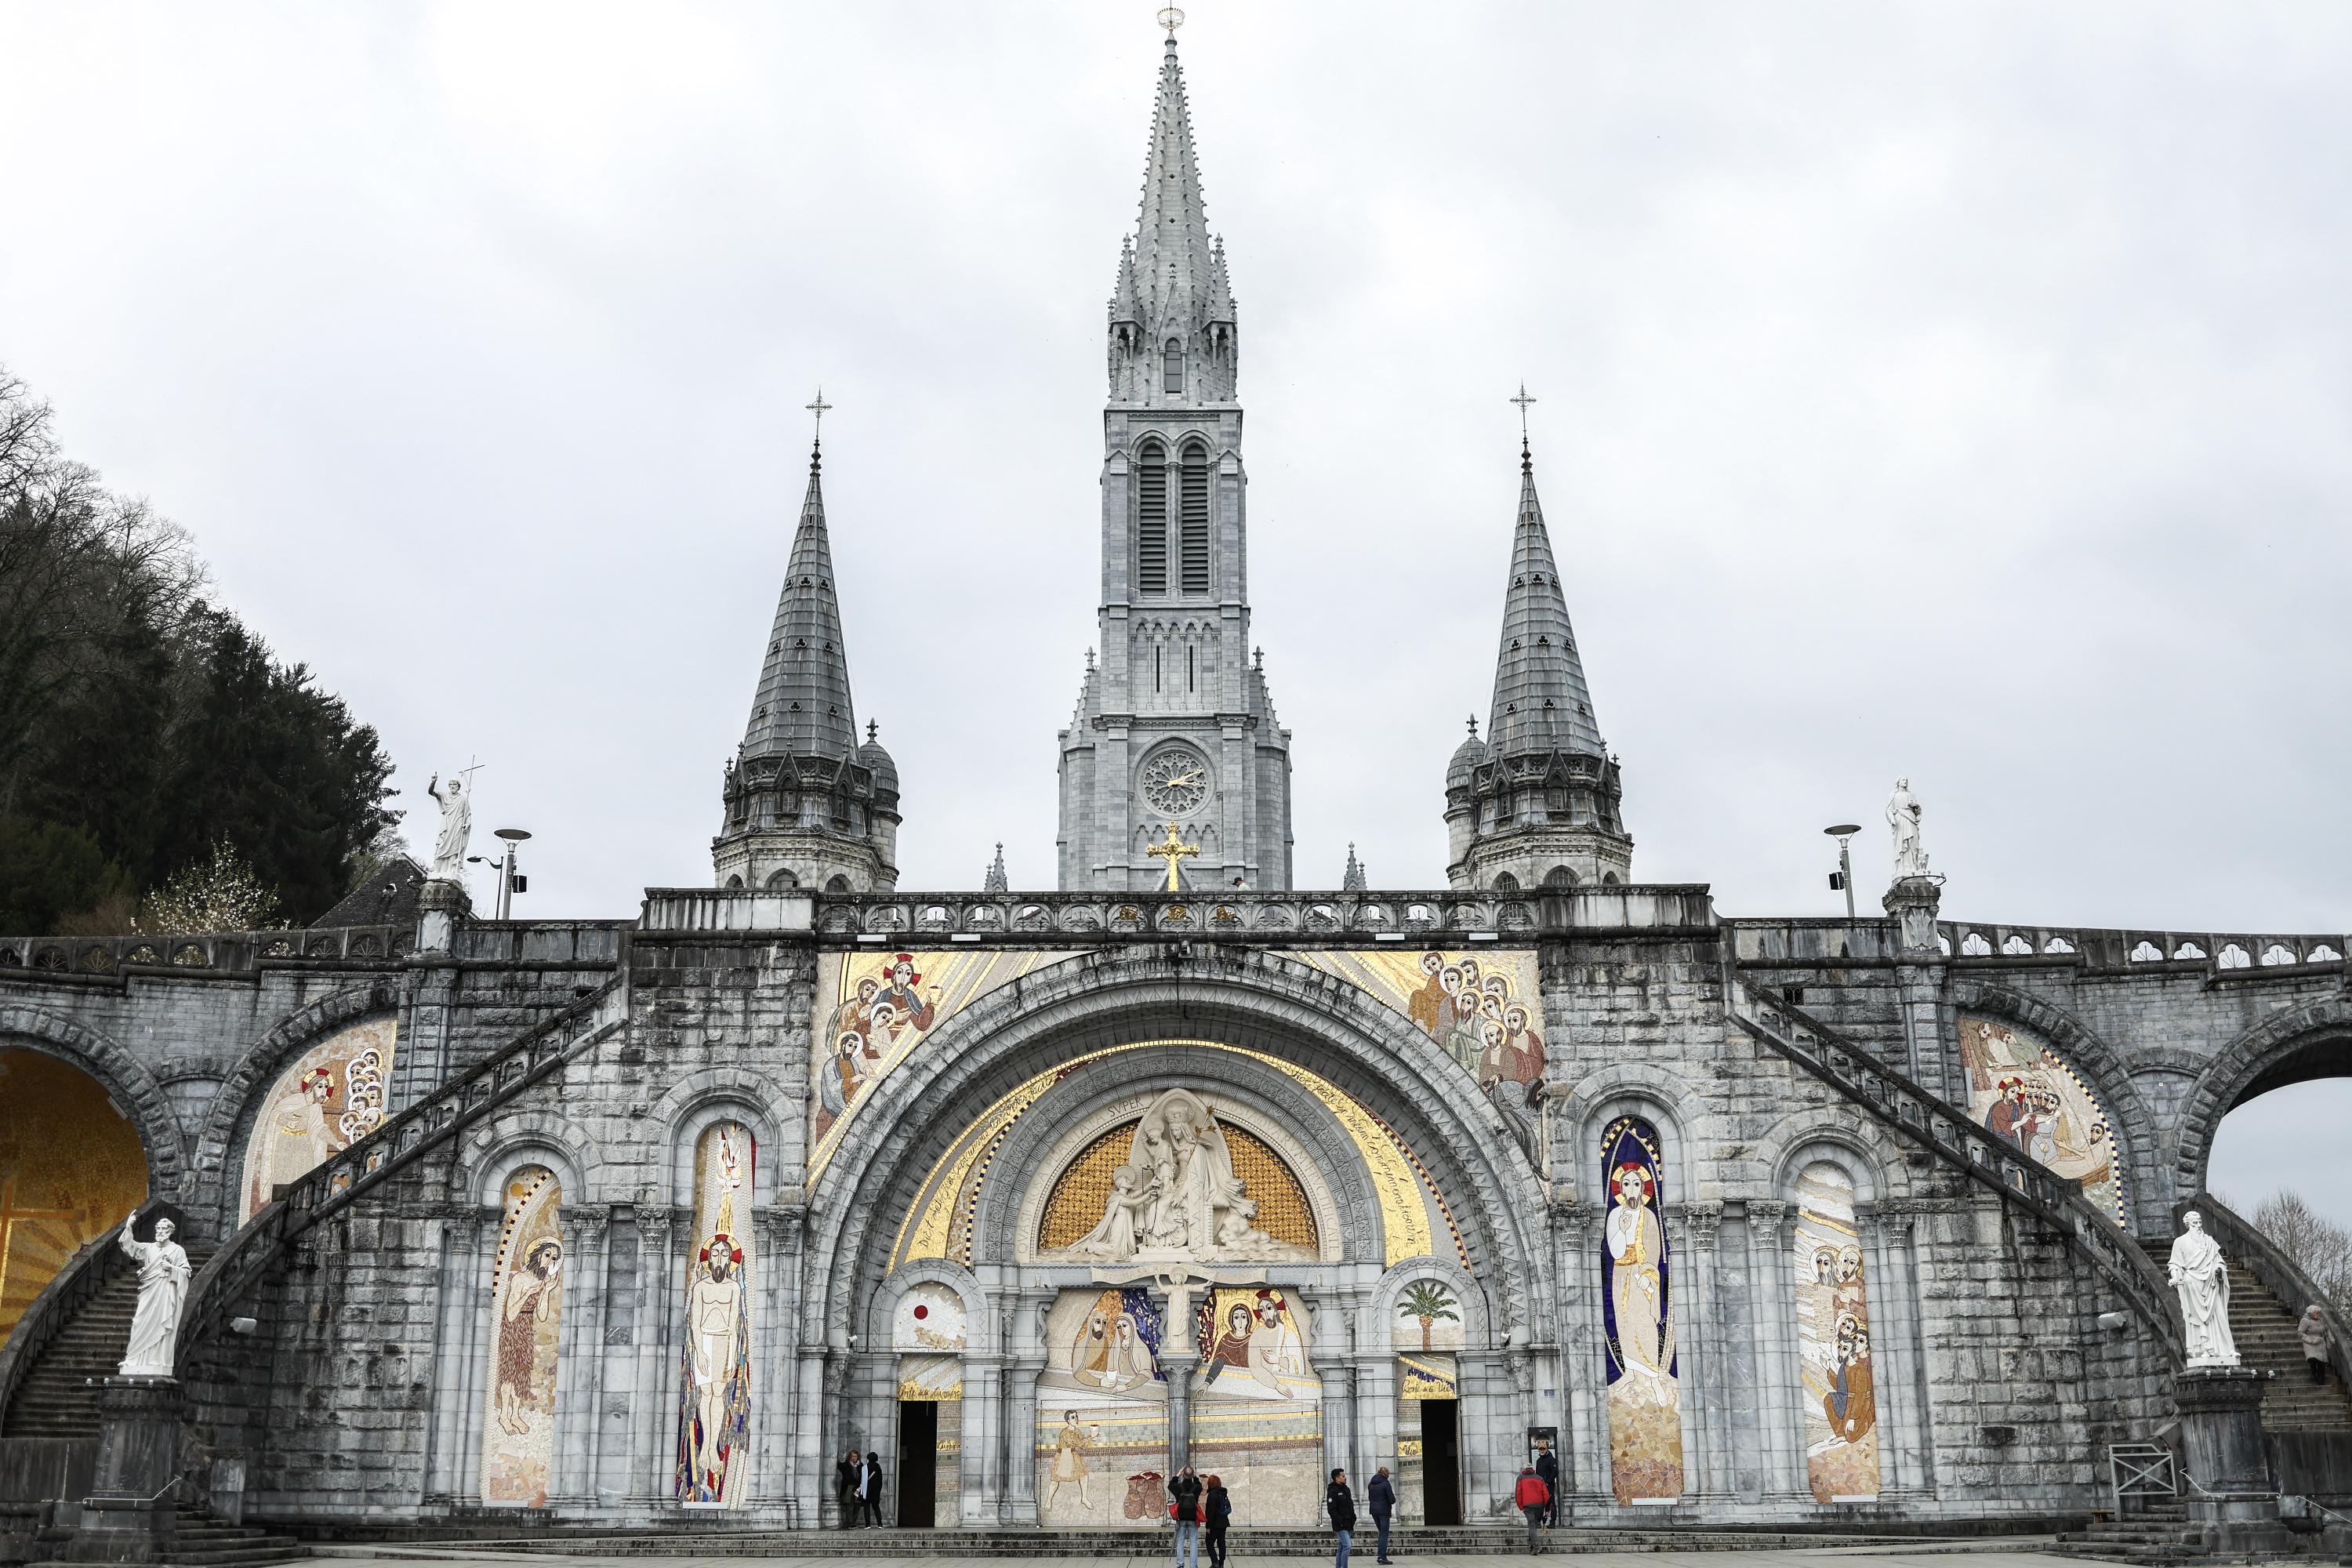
{"points": [[1951, 391]]}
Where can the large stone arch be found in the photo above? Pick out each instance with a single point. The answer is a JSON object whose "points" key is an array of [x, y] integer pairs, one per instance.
{"points": [[238, 1099], [1020, 1165], [2089, 1054], [2261, 1059], [1114, 997], [169, 1175]]}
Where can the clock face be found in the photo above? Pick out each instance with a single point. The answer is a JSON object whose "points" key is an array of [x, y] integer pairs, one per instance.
{"points": [[1176, 781]]}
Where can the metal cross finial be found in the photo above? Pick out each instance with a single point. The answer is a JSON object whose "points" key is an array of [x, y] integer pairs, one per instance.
{"points": [[1171, 19], [872, 725], [1175, 851], [819, 409], [1523, 400], [1473, 726]]}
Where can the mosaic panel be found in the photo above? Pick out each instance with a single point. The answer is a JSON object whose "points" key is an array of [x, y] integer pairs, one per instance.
{"points": [[1102, 1412], [1257, 1404], [332, 1096], [1834, 1339], [929, 1317], [1483, 1009], [1429, 1315], [526, 1318], [71, 1166], [1645, 1427], [713, 1468], [876, 1009], [2027, 1095]]}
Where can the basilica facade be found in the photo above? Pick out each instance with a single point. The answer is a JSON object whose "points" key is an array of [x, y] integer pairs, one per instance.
{"points": [[646, 1223]]}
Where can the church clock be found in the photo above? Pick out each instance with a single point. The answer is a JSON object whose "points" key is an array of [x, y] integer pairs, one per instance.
{"points": [[1176, 781]]}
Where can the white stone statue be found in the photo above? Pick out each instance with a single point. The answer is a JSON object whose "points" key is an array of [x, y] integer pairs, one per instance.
{"points": [[1902, 816], [456, 826], [2201, 1275], [162, 1287], [1177, 1195]]}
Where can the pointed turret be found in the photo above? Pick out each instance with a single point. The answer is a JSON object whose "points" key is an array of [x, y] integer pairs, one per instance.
{"points": [[996, 881], [807, 806], [1352, 880], [1535, 804]]}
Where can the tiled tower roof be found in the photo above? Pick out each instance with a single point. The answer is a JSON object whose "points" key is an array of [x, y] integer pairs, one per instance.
{"points": [[1540, 700], [804, 709], [1175, 260]]}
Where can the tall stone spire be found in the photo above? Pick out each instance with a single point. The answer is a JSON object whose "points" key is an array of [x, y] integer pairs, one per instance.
{"points": [[1541, 699], [1177, 724], [1536, 803], [1173, 332], [806, 806]]}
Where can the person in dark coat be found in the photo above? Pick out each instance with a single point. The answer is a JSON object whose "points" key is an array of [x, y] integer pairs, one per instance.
{"points": [[844, 1487], [1380, 1493], [1184, 1491], [1547, 1467], [1340, 1504], [869, 1492], [1216, 1512]]}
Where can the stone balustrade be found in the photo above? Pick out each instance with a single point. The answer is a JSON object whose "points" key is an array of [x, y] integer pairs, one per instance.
{"points": [[217, 952]]}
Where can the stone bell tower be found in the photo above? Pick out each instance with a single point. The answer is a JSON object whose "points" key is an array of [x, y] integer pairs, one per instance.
{"points": [[1175, 724]]}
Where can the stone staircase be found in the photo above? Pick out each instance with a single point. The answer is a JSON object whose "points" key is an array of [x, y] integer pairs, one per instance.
{"points": [[58, 1397], [1247, 1544], [2264, 1328], [201, 1538], [2160, 1534]]}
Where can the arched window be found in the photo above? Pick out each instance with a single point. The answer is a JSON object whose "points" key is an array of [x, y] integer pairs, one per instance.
{"points": [[1151, 519], [839, 884], [783, 880], [734, 884], [1559, 877], [1172, 367], [1505, 883], [1196, 519]]}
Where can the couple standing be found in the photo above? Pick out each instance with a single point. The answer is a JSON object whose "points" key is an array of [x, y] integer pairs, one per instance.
{"points": [[1339, 1504], [1193, 1503], [858, 1483]]}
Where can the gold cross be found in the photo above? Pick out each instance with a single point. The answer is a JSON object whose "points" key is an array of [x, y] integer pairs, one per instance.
{"points": [[1173, 850]]}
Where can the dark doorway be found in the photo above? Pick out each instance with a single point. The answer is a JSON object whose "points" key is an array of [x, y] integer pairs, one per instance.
{"points": [[1441, 1461], [918, 1462]]}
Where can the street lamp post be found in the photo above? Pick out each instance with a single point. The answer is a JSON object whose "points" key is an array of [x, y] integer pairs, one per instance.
{"points": [[1842, 877], [511, 882]]}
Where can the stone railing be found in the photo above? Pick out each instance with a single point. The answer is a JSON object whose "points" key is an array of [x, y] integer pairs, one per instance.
{"points": [[1956, 1139], [2241, 1240], [215, 952], [1321, 918], [85, 1274], [344, 1177], [2121, 952]]}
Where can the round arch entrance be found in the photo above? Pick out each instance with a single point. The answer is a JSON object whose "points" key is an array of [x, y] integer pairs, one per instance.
{"points": [[72, 1165]]}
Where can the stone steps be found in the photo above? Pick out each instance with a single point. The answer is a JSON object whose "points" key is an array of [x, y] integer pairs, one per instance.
{"points": [[202, 1539], [2263, 1327], [1495, 1540], [2158, 1534]]}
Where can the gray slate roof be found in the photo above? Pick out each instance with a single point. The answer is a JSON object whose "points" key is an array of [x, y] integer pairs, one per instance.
{"points": [[1540, 700], [803, 708]]}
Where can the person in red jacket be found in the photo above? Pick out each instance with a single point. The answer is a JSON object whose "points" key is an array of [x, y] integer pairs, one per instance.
{"points": [[1534, 1499]]}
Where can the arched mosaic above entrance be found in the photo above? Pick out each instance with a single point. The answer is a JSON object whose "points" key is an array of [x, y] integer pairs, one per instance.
{"points": [[1178, 1179]]}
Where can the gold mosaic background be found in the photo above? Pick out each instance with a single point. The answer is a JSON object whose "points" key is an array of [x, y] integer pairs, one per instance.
{"points": [[70, 1168], [1076, 1205]]}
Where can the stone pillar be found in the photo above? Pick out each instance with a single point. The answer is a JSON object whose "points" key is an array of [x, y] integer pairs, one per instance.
{"points": [[1707, 1457], [1735, 1311], [128, 1516], [1914, 901], [2231, 1498], [1177, 1367], [1019, 1496]]}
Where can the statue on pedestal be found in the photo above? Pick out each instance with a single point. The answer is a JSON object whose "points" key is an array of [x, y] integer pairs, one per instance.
{"points": [[1902, 816], [163, 1286], [457, 804], [2201, 1275]]}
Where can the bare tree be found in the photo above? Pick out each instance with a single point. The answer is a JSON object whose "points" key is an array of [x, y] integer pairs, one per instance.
{"points": [[2316, 1243]]}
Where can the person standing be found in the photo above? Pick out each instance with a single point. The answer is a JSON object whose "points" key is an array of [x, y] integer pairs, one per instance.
{"points": [[1380, 1493], [1340, 1504], [2313, 1331], [1534, 1499], [1216, 1512], [1184, 1491], [1548, 1468], [869, 1490], [845, 1486]]}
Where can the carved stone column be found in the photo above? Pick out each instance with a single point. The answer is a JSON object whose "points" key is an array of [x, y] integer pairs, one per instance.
{"points": [[1702, 1417], [1178, 1366], [1780, 1380]]}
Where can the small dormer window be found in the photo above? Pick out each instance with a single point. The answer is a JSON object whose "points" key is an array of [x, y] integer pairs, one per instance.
{"points": [[1172, 367]]}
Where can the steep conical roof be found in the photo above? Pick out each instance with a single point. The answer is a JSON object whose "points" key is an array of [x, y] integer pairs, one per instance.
{"points": [[1174, 259], [804, 709], [1352, 880], [996, 882], [1540, 700]]}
